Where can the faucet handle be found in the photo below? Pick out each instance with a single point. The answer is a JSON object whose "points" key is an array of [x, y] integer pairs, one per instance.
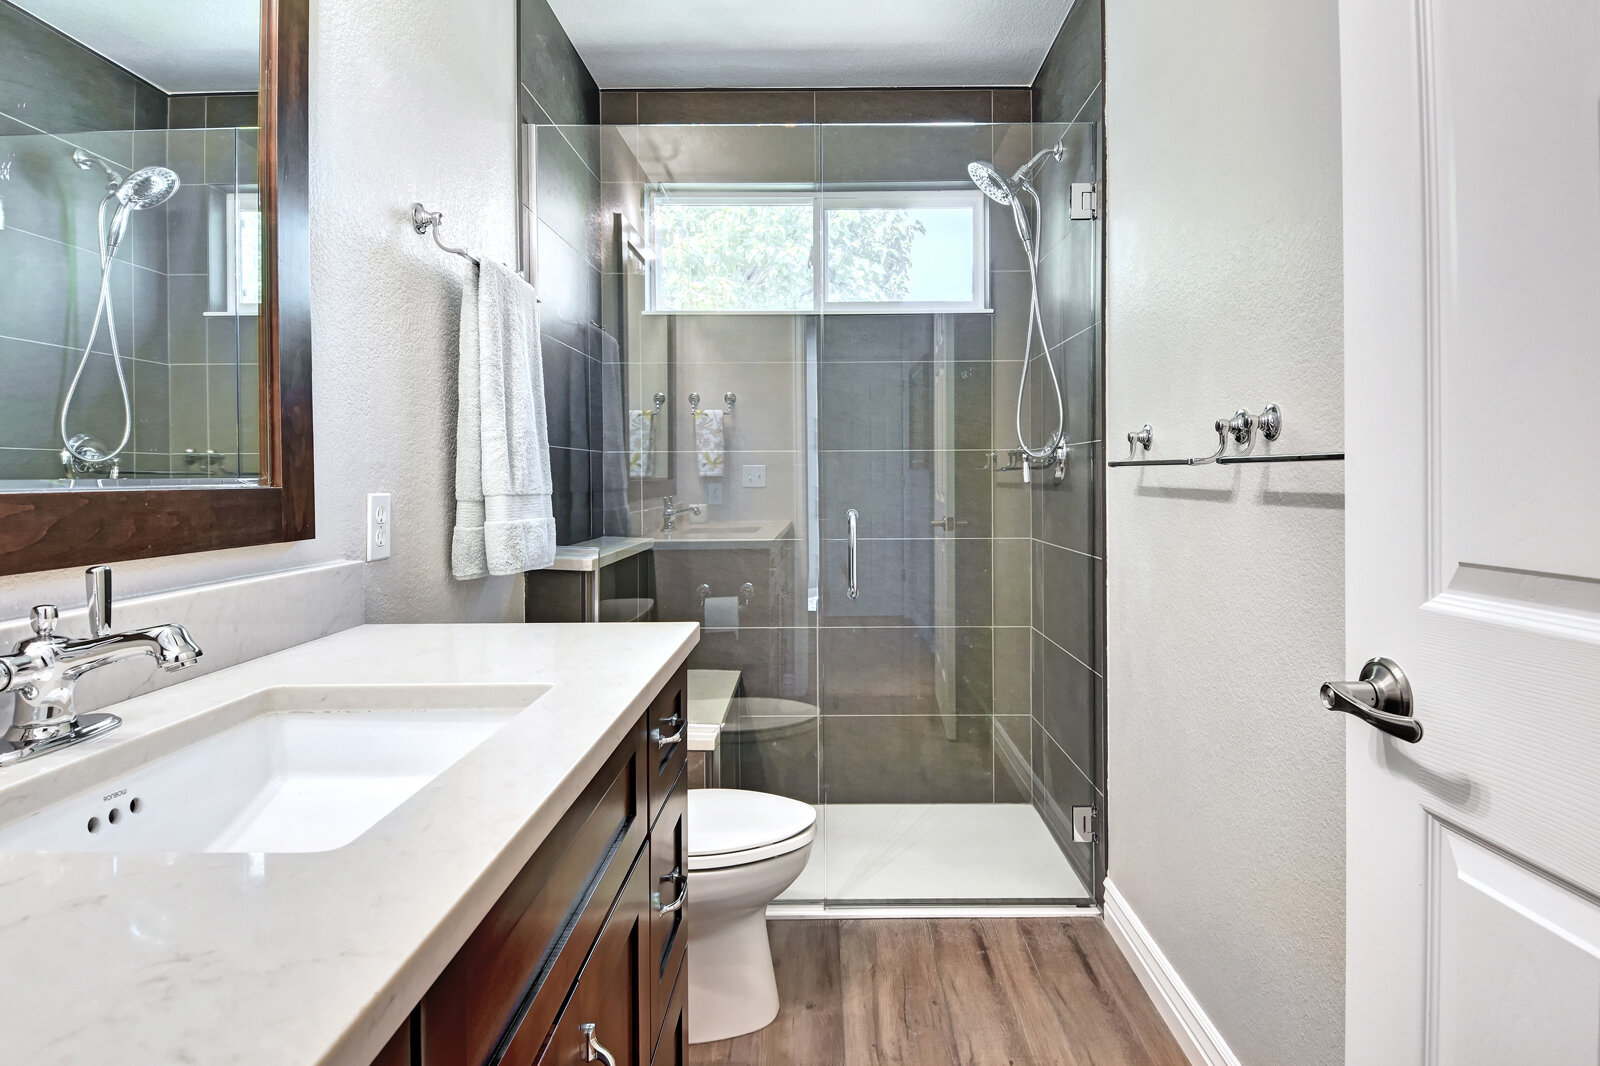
{"points": [[98, 580], [44, 619]]}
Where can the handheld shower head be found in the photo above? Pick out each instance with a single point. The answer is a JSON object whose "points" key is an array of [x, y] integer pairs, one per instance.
{"points": [[991, 183], [150, 187]]}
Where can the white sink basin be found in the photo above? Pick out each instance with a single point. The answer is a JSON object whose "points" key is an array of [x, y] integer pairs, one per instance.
{"points": [[288, 769]]}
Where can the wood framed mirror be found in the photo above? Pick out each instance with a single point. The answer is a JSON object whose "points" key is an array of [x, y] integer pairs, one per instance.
{"points": [[103, 132]]}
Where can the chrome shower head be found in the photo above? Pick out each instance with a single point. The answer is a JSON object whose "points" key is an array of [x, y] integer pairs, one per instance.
{"points": [[991, 183], [150, 187]]}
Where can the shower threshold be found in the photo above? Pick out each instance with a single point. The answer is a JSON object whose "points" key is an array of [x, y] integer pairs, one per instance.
{"points": [[933, 860]]}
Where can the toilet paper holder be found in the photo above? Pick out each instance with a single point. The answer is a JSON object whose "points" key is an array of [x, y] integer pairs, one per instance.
{"points": [[747, 592]]}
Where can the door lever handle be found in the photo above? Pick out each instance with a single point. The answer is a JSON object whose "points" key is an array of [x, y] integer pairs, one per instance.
{"points": [[1381, 698]]}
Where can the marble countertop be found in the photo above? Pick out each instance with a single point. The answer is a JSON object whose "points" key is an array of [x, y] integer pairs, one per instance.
{"points": [[310, 958]]}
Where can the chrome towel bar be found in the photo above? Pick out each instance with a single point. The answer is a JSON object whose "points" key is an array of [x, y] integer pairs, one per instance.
{"points": [[1242, 428]]}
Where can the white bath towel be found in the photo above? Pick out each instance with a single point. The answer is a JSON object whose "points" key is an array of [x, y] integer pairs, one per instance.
{"points": [[641, 444], [709, 442], [504, 523]]}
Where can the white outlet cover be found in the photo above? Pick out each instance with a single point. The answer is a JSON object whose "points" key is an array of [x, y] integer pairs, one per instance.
{"points": [[714, 493], [380, 519], [755, 477]]}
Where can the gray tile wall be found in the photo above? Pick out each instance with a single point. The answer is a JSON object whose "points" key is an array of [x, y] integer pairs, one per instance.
{"points": [[558, 95], [56, 96], [1067, 541]]}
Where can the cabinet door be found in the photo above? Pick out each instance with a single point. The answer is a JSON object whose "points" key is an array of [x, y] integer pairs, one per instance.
{"points": [[611, 994], [669, 887], [673, 1047], [668, 721]]}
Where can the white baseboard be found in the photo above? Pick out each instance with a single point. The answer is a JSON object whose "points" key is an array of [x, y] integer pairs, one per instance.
{"points": [[1194, 1032], [781, 911]]}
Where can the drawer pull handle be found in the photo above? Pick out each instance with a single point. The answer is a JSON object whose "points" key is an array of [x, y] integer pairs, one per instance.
{"points": [[664, 742], [680, 879], [593, 1050]]}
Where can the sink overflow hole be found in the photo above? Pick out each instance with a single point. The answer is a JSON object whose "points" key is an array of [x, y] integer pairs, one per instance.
{"points": [[135, 805], [94, 825], [115, 816]]}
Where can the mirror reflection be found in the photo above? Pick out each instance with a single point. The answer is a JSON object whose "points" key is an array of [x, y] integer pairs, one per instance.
{"points": [[130, 243]]}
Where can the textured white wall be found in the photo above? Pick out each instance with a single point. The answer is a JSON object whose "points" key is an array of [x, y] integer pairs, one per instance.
{"points": [[410, 100], [1225, 584]]}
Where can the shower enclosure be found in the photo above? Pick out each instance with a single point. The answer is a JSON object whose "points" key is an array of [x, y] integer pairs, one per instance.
{"points": [[810, 347]]}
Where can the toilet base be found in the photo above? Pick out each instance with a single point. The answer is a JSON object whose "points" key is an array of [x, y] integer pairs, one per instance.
{"points": [[732, 988]]}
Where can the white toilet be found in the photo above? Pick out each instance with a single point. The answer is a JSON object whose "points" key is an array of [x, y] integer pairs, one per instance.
{"points": [[744, 848]]}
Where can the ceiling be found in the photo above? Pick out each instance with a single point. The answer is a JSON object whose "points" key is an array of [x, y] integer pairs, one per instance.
{"points": [[733, 44], [179, 46]]}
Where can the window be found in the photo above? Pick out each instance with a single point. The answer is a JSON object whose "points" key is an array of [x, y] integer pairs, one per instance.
{"points": [[754, 250], [236, 249]]}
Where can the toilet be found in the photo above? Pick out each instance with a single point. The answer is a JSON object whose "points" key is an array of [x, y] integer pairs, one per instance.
{"points": [[744, 849]]}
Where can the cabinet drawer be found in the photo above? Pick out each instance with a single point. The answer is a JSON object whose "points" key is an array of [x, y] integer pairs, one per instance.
{"points": [[510, 978], [608, 994], [669, 886], [667, 718], [672, 1049]]}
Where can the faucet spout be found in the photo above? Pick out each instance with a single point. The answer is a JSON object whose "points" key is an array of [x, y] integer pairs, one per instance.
{"points": [[169, 645]]}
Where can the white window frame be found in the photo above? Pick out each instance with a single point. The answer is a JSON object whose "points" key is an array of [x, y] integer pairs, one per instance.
{"points": [[821, 203]]}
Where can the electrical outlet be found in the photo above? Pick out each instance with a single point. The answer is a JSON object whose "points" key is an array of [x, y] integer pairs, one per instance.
{"points": [[755, 477], [714, 493], [379, 523]]}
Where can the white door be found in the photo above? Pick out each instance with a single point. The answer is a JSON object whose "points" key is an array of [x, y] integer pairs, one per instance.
{"points": [[1472, 341]]}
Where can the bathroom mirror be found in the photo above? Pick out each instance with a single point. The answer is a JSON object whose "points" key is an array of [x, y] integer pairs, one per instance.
{"points": [[154, 322]]}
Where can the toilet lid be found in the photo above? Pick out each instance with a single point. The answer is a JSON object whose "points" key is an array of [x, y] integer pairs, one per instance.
{"points": [[726, 820]]}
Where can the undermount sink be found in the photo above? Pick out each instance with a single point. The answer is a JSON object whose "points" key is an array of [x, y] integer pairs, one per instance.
{"points": [[287, 769]]}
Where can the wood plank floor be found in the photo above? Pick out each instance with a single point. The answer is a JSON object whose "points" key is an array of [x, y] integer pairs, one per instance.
{"points": [[952, 992]]}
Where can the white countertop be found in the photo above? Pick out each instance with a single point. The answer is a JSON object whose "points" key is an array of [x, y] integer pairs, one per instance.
{"points": [[711, 693], [284, 959], [591, 555]]}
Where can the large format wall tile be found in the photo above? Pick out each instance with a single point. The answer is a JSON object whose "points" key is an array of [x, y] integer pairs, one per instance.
{"points": [[907, 759]]}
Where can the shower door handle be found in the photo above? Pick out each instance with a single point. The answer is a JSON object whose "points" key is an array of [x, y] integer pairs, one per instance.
{"points": [[853, 516]]}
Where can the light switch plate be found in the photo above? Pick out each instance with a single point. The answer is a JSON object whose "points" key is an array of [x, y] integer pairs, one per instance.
{"points": [[379, 526], [755, 477]]}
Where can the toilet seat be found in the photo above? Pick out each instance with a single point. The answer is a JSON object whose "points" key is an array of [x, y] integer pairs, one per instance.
{"points": [[733, 827]]}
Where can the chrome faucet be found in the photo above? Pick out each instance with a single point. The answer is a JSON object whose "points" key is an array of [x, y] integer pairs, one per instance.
{"points": [[669, 512], [44, 670]]}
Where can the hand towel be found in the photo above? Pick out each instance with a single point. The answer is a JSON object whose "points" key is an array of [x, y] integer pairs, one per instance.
{"points": [[708, 442], [504, 522], [641, 444]]}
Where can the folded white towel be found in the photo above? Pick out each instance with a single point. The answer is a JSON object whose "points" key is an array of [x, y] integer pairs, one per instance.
{"points": [[709, 442], [504, 522]]}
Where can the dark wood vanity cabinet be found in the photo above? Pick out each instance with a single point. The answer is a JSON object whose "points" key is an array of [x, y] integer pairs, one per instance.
{"points": [[587, 933]]}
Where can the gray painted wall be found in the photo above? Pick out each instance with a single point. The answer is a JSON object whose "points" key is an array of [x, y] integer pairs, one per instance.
{"points": [[385, 302], [1225, 584]]}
